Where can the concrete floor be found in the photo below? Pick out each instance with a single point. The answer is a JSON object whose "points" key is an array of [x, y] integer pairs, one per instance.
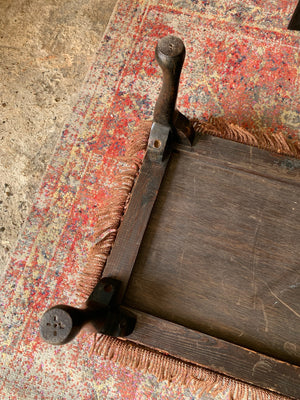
{"points": [[46, 49]]}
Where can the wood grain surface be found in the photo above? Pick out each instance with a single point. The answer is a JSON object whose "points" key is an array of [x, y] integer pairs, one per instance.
{"points": [[221, 251], [122, 257], [216, 354]]}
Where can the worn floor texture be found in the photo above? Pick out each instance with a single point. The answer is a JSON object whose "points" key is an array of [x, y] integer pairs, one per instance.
{"points": [[46, 48]]}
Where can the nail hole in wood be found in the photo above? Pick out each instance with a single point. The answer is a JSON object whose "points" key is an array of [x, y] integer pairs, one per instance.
{"points": [[157, 144]]}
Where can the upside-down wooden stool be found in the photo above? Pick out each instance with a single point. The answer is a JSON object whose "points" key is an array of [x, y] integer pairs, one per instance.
{"points": [[205, 264]]}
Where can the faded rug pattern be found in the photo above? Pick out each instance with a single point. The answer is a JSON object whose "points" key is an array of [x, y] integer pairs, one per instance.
{"points": [[241, 63]]}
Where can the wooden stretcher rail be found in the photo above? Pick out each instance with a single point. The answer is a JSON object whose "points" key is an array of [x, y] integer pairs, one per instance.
{"points": [[216, 354], [120, 263]]}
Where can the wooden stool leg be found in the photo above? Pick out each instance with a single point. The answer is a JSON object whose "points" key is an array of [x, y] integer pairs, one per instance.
{"points": [[294, 24]]}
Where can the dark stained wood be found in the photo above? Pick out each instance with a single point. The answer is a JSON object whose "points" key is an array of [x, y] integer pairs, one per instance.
{"points": [[221, 255], [130, 234], [219, 260], [246, 158], [217, 355]]}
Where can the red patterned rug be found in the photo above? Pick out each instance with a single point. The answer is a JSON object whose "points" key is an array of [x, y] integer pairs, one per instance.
{"points": [[241, 63]]}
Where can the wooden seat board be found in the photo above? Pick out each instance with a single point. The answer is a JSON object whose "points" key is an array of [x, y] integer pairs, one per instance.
{"points": [[221, 250]]}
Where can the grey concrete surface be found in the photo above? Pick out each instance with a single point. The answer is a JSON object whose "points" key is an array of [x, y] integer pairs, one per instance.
{"points": [[46, 47]]}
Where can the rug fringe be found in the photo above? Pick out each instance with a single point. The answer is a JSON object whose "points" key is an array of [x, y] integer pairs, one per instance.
{"points": [[173, 371], [111, 213], [276, 143]]}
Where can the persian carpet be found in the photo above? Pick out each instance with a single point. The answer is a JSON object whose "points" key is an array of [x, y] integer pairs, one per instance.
{"points": [[241, 63]]}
